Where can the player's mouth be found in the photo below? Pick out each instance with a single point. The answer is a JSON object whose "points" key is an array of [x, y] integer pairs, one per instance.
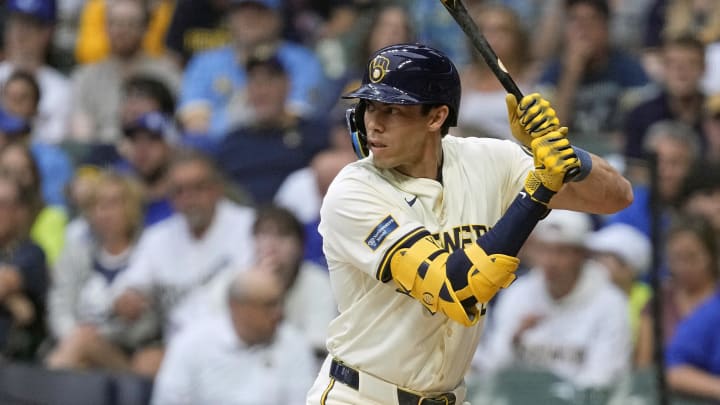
{"points": [[376, 145]]}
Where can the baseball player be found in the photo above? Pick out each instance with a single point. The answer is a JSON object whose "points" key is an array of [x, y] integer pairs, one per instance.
{"points": [[422, 233]]}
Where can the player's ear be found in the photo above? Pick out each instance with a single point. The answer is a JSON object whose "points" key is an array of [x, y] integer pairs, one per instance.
{"points": [[437, 117]]}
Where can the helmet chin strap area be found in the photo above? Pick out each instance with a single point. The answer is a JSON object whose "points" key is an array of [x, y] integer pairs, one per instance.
{"points": [[356, 127]]}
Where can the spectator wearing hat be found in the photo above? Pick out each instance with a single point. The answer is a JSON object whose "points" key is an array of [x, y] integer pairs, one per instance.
{"points": [[97, 87], [575, 322], [625, 252], [20, 96], [215, 81], [260, 154], [28, 33], [151, 140]]}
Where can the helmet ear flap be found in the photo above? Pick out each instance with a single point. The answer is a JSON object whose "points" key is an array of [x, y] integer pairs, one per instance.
{"points": [[354, 117]]}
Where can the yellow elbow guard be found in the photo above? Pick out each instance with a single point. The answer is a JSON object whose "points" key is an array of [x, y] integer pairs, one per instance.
{"points": [[419, 271], [489, 273]]}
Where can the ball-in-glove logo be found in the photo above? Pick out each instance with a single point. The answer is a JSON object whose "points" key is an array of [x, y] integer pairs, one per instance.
{"points": [[378, 67]]}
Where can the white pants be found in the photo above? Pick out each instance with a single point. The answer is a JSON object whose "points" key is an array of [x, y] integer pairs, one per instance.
{"points": [[327, 391]]}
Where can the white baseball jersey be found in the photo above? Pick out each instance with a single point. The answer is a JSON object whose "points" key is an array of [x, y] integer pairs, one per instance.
{"points": [[584, 337], [366, 211], [181, 272]]}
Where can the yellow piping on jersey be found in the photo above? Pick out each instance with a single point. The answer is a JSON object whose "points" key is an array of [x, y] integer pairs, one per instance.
{"points": [[325, 393]]}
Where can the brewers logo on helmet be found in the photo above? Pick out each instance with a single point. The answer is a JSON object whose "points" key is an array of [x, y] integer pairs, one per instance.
{"points": [[404, 74]]}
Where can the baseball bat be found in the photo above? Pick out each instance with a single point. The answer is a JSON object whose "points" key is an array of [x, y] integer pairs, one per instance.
{"points": [[457, 10]]}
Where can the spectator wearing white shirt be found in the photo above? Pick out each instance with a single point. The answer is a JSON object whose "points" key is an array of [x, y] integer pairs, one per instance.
{"points": [[28, 32], [247, 358], [565, 316], [178, 260]]}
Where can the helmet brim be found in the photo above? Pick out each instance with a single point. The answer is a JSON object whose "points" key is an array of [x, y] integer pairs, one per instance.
{"points": [[383, 93]]}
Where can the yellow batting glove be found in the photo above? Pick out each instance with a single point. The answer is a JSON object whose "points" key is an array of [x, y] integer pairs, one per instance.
{"points": [[554, 157], [530, 118]]}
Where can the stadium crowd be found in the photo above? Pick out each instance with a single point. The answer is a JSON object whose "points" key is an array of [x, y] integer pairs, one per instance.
{"points": [[163, 162]]}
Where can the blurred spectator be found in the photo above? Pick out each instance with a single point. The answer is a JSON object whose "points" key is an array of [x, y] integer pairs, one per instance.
{"points": [[711, 128], [97, 87], [213, 87], [249, 356], [679, 98], [93, 44], [196, 26], [625, 252], [179, 259], [28, 32], [628, 23], [540, 18], [576, 324], [44, 223], [701, 194], [80, 195], [80, 304], [699, 18], [23, 279], [309, 305], [20, 96], [143, 94], [259, 156], [692, 257], [481, 89], [436, 28], [590, 82], [151, 141], [676, 148], [693, 355], [302, 191]]}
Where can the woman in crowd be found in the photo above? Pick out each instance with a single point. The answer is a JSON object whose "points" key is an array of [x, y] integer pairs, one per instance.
{"points": [[692, 258], [80, 310]]}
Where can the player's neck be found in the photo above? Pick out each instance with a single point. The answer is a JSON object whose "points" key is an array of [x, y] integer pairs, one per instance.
{"points": [[428, 166]]}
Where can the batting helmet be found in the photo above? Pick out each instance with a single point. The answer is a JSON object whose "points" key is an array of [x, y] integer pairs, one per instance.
{"points": [[405, 74]]}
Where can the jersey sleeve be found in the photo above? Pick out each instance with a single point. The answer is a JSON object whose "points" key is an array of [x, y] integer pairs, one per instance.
{"points": [[519, 163], [360, 224]]}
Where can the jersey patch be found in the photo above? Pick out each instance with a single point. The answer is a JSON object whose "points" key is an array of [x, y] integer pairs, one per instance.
{"points": [[381, 231]]}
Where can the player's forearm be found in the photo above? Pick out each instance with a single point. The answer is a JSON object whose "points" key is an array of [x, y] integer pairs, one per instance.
{"points": [[694, 381], [603, 191]]}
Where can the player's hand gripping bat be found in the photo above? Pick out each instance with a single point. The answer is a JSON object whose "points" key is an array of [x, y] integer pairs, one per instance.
{"points": [[457, 10]]}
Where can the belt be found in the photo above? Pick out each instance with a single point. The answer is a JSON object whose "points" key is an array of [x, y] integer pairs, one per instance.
{"points": [[351, 378]]}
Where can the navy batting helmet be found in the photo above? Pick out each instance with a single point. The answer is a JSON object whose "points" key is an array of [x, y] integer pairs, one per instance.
{"points": [[405, 74]]}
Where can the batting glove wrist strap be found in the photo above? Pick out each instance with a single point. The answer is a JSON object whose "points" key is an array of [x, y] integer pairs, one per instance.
{"points": [[585, 163], [536, 189]]}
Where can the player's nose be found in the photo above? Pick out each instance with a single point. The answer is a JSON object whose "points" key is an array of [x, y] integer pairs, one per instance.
{"points": [[373, 123]]}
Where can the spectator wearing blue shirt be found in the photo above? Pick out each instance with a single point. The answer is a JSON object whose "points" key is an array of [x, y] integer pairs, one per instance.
{"points": [[676, 146], [212, 91], [590, 80], [258, 156], [693, 356], [151, 143]]}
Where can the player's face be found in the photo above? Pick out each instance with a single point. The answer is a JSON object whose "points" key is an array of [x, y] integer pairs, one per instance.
{"points": [[398, 135]]}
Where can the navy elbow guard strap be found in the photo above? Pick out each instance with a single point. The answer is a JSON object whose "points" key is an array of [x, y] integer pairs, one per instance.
{"points": [[585, 163]]}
